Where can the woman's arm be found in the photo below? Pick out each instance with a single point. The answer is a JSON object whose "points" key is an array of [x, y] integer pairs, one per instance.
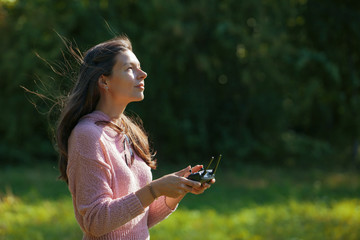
{"points": [[173, 202], [97, 211], [165, 205], [173, 186]]}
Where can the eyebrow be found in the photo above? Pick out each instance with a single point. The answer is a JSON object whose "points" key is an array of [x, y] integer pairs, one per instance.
{"points": [[132, 63]]}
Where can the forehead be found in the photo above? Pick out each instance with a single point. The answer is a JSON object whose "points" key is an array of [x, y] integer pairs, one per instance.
{"points": [[126, 57]]}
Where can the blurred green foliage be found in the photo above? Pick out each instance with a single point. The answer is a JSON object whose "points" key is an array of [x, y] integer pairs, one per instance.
{"points": [[271, 82]]}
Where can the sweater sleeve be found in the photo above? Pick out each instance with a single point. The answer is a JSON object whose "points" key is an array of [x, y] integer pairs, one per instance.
{"points": [[159, 211], [89, 177]]}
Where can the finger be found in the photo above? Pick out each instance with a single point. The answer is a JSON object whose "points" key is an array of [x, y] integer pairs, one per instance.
{"points": [[194, 170], [211, 182], [182, 172], [198, 188], [202, 189], [197, 168], [191, 183], [205, 185], [197, 191], [186, 188], [187, 173]]}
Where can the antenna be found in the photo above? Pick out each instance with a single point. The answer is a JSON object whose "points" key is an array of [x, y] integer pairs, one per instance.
{"points": [[217, 164], [212, 159]]}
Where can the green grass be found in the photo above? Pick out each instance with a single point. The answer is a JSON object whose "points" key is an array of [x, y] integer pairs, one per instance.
{"points": [[253, 203]]}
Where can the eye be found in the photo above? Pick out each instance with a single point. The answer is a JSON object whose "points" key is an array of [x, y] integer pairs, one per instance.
{"points": [[129, 68]]}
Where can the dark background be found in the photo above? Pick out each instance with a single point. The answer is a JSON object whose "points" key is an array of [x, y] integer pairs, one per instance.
{"points": [[262, 82]]}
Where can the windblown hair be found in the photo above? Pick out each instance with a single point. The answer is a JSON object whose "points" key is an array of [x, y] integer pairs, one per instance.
{"points": [[82, 100]]}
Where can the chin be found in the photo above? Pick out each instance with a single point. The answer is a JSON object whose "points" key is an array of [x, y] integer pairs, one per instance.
{"points": [[139, 99]]}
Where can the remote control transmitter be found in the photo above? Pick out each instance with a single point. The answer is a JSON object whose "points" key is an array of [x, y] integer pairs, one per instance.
{"points": [[205, 176]]}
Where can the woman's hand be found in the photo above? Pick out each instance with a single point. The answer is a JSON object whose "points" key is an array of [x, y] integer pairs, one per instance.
{"points": [[175, 185]]}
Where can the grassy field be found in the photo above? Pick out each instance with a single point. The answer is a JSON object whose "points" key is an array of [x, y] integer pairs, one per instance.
{"points": [[252, 204]]}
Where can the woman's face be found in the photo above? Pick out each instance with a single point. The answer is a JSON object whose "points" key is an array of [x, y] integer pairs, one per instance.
{"points": [[126, 82]]}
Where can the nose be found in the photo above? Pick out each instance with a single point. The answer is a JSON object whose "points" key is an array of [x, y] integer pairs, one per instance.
{"points": [[142, 74]]}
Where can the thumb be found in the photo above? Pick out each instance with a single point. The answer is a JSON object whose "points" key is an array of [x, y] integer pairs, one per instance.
{"points": [[193, 170], [182, 172]]}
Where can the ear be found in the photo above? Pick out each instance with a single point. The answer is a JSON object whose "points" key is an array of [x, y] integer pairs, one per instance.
{"points": [[102, 82]]}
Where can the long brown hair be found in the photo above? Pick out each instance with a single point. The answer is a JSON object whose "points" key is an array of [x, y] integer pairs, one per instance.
{"points": [[97, 61]]}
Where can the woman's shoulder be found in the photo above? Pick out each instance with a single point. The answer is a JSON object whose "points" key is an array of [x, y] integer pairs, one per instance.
{"points": [[87, 124], [86, 131], [91, 128], [87, 128], [86, 138]]}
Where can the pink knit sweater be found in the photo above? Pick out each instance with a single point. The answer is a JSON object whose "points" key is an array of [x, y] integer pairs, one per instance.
{"points": [[102, 185]]}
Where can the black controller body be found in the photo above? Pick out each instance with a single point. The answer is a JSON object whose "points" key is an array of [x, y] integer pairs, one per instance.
{"points": [[201, 177]]}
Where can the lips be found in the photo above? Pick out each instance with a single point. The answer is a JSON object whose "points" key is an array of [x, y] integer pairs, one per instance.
{"points": [[141, 85]]}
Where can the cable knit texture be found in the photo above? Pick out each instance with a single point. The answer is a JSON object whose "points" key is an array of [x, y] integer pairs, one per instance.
{"points": [[103, 186]]}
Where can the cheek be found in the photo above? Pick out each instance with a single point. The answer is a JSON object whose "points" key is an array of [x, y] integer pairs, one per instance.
{"points": [[122, 87]]}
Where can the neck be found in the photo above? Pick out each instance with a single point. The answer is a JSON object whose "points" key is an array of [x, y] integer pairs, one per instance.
{"points": [[114, 111]]}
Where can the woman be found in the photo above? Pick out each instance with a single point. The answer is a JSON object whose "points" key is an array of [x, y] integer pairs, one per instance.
{"points": [[104, 155]]}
